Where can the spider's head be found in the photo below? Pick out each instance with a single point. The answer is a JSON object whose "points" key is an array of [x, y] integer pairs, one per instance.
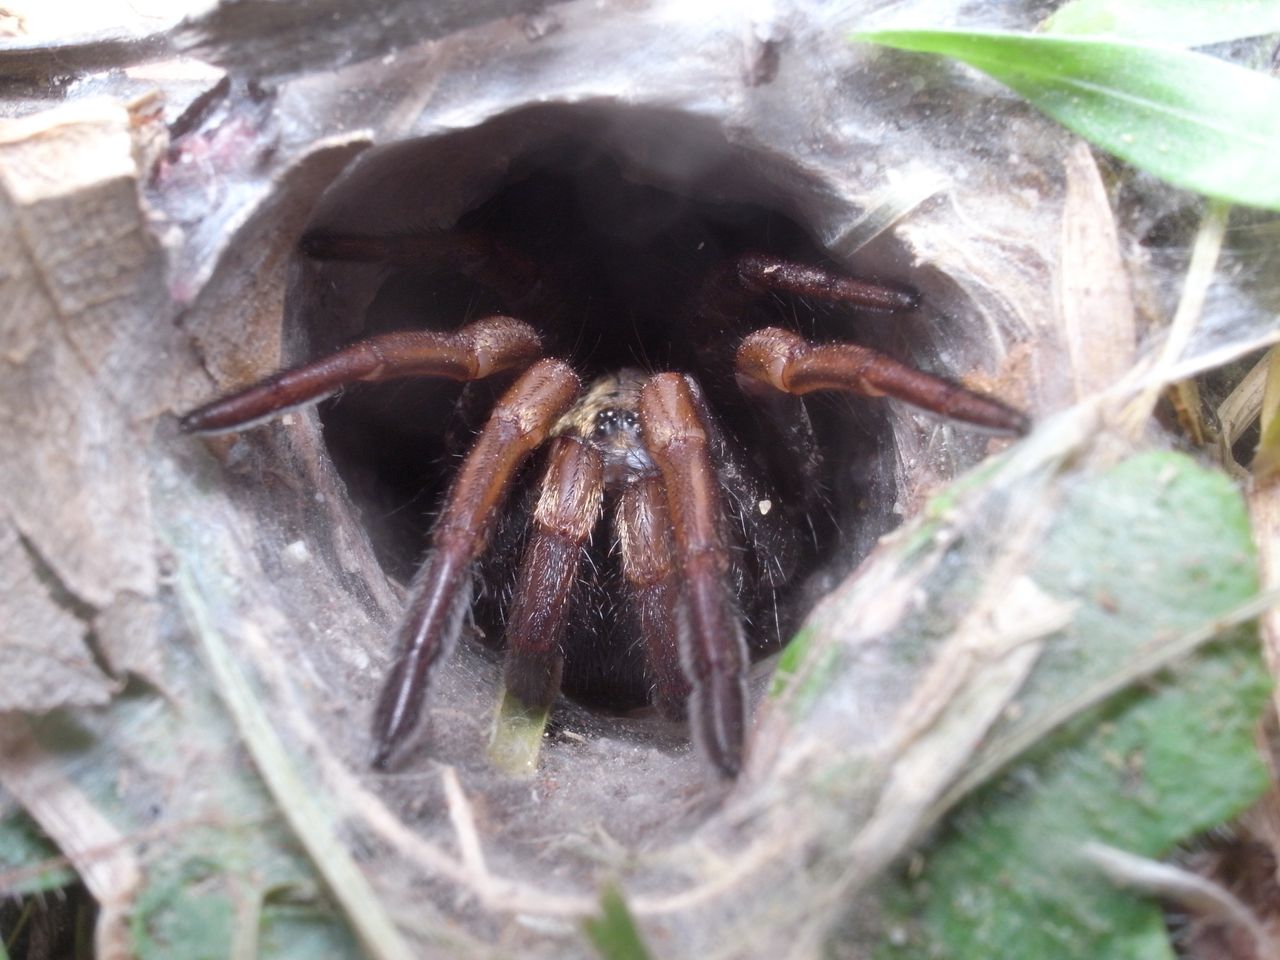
{"points": [[606, 417]]}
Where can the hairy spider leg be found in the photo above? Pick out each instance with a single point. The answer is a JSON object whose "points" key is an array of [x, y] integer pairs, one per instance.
{"points": [[568, 508], [440, 594], [473, 253], [776, 359], [721, 304], [477, 350], [761, 273], [721, 301], [713, 650], [648, 566], [772, 542], [403, 249]]}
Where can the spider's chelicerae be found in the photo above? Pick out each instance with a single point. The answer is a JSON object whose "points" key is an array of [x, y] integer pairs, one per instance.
{"points": [[640, 498]]}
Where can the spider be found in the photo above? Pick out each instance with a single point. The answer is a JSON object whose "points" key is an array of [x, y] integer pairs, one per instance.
{"points": [[672, 512]]}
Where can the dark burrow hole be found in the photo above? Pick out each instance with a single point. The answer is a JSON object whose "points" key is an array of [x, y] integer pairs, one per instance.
{"points": [[616, 262]]}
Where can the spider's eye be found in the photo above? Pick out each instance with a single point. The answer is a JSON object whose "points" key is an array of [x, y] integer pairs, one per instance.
{"points": [[610, 420], [607, 422]]}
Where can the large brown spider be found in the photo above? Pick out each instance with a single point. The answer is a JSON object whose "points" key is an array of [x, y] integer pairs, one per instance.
{"points": [[674, 512]]}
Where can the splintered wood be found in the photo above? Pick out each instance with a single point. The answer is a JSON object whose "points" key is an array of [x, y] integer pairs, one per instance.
{"points": [[81, 298]]}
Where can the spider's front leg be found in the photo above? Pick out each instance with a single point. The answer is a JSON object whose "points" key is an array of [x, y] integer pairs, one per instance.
{"points": [[568, 507], [709, 633], [644, 543], [441, 592]]}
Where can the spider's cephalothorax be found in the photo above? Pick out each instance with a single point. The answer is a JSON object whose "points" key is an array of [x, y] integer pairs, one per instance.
{"points": [[607, 417], [687, 519]]}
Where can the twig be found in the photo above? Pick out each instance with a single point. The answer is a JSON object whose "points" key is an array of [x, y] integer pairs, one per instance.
{"points": [[309, 821], [77, 827], [1188, 889], [1160, 658], [464, 823], [1204, 259]]}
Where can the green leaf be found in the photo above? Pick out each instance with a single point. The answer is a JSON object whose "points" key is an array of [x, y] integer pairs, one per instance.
{"points": [[1191, 119], [222, 847], [1006, 882], [1183, 23], [1159, 540], [614, 933]]}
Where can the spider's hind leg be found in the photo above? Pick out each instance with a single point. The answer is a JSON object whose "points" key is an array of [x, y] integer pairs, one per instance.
{"points": [[723, 299], [759, 273], [474, 253]]}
